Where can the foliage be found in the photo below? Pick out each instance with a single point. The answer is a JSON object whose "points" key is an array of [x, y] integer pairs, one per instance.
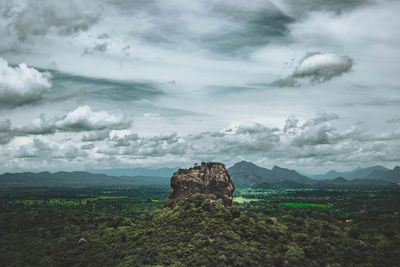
{"points": [[129, 227]]}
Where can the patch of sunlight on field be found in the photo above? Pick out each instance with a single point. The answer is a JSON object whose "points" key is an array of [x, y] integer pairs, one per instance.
{"points": [[244, 200]]}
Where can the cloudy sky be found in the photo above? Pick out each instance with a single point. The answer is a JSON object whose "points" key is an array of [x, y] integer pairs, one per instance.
{"points": [[312, 85]]}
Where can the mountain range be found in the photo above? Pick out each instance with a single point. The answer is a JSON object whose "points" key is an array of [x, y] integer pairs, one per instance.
{"points": [[247, 174], [244, 174], [358, 173], [77, 178], [162, 172]]}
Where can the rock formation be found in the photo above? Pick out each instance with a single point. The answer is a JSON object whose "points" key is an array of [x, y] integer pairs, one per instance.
{"points": [[209, 178]]}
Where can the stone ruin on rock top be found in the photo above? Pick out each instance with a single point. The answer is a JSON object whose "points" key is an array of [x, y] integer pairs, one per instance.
{"points": [[209, 178]]}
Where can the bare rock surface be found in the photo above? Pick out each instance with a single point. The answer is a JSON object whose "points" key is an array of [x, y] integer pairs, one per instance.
{"points": [[209, 178]]}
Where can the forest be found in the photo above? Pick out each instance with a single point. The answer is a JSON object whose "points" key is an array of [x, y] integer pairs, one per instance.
{"points": [[128, 226]]}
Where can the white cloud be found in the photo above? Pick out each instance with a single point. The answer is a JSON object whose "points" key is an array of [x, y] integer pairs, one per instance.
{"points": [[22, 84], [317, 68], [84, 119], [315, 143], [38, 126]]}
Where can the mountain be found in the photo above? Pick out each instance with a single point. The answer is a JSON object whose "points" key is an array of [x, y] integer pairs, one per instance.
{"points": [[58, 179], [391, 176], [247, 174], [162, 172], [358, 173], [340, 180], [211, 179]]}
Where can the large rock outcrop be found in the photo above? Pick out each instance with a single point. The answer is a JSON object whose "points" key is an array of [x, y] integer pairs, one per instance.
{"points": [[209, 178]]}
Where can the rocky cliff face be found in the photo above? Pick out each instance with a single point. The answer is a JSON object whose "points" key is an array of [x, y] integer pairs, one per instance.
{"points": [[210, 178]]}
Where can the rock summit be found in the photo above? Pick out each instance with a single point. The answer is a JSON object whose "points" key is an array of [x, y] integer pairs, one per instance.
{"points": [[209, 178]]}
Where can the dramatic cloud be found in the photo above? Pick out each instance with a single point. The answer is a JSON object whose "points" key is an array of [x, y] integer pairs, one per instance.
{"points": [[194, 79], [29, 18], [21, 85], [5, 135], [317, 141], [317, 68], [84, 119]]}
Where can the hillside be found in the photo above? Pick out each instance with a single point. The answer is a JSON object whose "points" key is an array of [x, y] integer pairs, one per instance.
{"points": [[391, 176], [247, 174], [161, 172], [358, 173], [59, 179]]}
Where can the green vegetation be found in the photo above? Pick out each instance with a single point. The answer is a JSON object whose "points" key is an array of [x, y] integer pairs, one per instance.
{"points": [[244, 200], [304, 205], [337, 226]]}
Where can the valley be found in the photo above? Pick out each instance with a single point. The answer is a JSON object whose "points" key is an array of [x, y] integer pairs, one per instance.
{"points": [[125, 226]]}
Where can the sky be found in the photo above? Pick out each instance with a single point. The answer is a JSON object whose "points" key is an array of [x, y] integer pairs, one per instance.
{"points": [[311, 85]]}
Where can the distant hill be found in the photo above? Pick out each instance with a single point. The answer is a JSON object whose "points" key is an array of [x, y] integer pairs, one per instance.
{"points": [[358, 173], [162, 172], [390, 176], [244, 174], [247, 174], [60, 179]]}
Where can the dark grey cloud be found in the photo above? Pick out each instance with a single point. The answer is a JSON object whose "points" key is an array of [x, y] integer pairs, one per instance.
{"points": [[319, 131], [103, 89], [224, 27], [125, 140], [87, 146], [322, 135], [44, 150], [291, 125], [101, 47], [221, 56], [5, 135], [394, 119], [37, 18], [317, 67], [321, 118], [301, 8]]}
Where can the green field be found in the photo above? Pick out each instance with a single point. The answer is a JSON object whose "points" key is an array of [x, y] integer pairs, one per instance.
{"points": [[244, 200], [65, 202], [304, 205]]}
